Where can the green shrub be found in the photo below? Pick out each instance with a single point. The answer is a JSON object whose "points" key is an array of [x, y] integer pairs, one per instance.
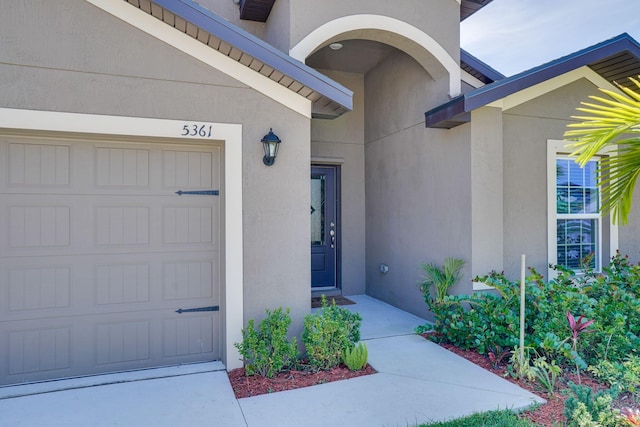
{"points": [[621, 376], [490, 319], [267, 351], [480, 321], [588, 409], [328, 333], [356, 357]]}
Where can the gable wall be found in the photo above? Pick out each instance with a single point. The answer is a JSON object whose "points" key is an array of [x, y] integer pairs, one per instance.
{"points": [[527, 128], [440, 19], [69, 56]]}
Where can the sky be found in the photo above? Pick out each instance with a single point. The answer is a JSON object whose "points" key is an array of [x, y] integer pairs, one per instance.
{"points": [[516, 35]]}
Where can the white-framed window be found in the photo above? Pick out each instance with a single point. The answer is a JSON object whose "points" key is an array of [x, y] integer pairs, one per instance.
{"points": [[578, 219], [576, 228]]}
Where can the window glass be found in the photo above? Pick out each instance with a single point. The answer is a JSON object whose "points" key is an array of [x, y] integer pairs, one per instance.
{"points": [[577, 240], [578, 214]]}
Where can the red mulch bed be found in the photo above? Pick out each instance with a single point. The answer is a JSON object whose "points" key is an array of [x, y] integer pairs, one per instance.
{"points": [[255, 385], [552, 413]]}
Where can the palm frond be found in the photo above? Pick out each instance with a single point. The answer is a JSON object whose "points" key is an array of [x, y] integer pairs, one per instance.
{"points": [[611, 124]]}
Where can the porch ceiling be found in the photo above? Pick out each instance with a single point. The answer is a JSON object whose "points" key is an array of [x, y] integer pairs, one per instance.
{"points": [[355, 56], [329, 99]]}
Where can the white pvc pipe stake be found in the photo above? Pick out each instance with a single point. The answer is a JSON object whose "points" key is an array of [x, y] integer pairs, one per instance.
{"points": [[522, 285]]}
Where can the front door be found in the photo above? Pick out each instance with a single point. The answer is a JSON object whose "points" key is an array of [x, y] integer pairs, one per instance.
{"points": [[325, 239]]}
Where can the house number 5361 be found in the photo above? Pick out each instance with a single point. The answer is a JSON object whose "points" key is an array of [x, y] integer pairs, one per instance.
{"points": [[196, 129]]}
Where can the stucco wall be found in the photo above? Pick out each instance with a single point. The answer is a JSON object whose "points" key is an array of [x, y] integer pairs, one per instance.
{"points": [[417, 183], [277, 26], [69, 56], [440, 18], [341, 141], [629, 235], [486, 191], [527, 128]]}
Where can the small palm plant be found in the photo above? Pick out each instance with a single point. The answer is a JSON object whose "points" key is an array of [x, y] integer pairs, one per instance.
{"points": [[441, 278]]}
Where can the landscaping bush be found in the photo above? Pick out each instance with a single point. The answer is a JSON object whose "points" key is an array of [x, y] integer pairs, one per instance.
{"points": [[587, 408], [490, 319], [266, 350], [620, 376], [328, 333]]}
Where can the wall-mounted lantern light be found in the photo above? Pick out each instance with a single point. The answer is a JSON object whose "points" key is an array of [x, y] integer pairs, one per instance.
{"points": [[270, 143]]}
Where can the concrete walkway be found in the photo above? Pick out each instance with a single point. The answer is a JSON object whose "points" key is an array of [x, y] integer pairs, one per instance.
{"points": [[417, 381]]}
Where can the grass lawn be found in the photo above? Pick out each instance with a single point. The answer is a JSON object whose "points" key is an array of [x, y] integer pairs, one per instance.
{"points": [[503, 418]]}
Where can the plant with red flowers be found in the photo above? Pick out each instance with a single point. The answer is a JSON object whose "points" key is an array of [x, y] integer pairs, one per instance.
{"points": [[577, 327], [630, 416]]}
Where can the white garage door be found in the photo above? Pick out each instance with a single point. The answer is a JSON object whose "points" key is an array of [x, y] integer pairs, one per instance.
{"points": [[97, 252]]}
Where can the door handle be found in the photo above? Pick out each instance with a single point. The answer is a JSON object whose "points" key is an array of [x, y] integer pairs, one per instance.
{"points": [[333, 237]]}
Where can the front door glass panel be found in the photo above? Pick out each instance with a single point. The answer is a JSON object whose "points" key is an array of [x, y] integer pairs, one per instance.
{"points": [[318, 184]]}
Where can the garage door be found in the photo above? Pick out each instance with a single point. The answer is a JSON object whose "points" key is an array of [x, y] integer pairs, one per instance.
{"points": [[98, 254]]}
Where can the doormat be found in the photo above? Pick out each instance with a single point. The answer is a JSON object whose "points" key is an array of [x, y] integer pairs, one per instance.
{"points": [[316, 302]]}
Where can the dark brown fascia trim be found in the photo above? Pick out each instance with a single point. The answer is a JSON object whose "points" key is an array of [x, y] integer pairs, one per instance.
{"points": [[501, 89]]}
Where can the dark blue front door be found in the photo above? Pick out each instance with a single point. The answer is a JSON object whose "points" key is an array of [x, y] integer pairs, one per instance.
{"points": [[324, 226]]}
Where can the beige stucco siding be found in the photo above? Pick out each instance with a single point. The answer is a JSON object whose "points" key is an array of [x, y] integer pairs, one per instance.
{"points": [[70, 56], [417, 182], [628, 235], [399, 91], [486, 191], [418, 210], [440, 19]]}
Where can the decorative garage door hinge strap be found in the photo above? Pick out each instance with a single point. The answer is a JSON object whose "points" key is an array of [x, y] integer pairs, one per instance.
{"points": [[190, 310], [199, 192]]}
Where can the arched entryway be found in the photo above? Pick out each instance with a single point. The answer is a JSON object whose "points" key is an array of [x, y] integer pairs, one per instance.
{"points": [[396, 73]]}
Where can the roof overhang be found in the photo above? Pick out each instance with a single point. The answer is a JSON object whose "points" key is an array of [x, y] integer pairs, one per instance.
{"points": [[478, 69], [614, 60], [469, 7], [329, 99]]}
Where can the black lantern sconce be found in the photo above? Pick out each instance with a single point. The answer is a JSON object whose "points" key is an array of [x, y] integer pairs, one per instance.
{"points": [[270, 143]]}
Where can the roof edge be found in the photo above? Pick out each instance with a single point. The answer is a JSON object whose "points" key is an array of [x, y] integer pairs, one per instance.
{"points": [[500, 89], [481, 66], [259, 49]]}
